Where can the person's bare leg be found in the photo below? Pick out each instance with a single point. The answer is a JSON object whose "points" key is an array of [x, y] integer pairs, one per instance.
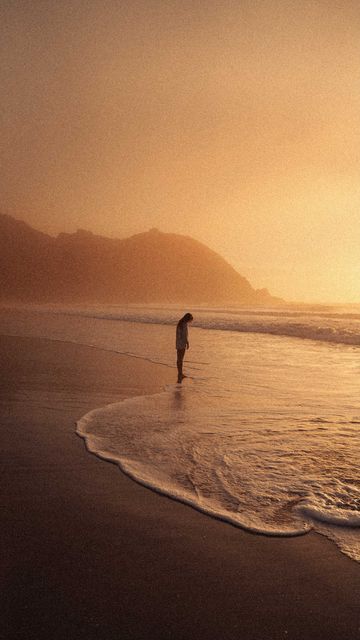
{"points": [[180, 358]]}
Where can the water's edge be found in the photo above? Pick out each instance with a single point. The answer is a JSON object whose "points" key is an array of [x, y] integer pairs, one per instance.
{"points": [[129, 471]]}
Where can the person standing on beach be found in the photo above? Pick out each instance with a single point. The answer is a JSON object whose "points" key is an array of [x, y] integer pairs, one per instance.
{"points": [[182, 342]]}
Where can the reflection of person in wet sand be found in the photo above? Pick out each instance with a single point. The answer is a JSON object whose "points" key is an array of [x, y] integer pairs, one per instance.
{"points": [[182, 342]]}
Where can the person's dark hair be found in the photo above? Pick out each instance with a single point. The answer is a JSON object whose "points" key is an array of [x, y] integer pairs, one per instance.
{"points": [[186, 318]]}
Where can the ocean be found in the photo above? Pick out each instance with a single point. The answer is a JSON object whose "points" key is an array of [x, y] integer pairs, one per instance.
{"points": [[264, 432]]}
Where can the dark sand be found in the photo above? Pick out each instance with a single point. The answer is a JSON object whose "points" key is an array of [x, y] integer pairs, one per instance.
{"points": [[88, 553]]}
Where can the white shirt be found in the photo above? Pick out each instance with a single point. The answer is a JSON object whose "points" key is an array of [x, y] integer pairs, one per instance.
{"points": [[181, 336]]}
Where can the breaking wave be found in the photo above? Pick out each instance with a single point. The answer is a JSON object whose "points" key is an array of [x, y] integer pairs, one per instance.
{"points": [[337, 328]]}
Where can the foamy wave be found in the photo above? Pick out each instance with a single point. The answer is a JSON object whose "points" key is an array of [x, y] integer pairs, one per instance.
{"points": [[337, 335], [152, 479], [326, 327], [252, 478], [331, 515]]}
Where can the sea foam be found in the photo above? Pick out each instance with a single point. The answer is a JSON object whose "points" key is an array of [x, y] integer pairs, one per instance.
{"points": [[268, 475], [326, 326]]}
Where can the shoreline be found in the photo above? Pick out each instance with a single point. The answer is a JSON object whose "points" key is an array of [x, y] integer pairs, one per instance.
{"points": [[90, 553]]}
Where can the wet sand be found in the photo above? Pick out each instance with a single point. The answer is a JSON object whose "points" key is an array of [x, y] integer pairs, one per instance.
{"points": [[88, 553]]}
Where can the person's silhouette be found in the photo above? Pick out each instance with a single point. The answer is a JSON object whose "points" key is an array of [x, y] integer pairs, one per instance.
{"points": [[182, 342]]}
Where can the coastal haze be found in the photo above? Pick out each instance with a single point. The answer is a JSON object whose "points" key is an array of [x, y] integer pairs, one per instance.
{"points": [[179, 297], [148, 267], [234, 123]]}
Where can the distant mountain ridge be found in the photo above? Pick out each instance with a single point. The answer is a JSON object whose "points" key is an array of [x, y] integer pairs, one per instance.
{"points": [[150, 267]]}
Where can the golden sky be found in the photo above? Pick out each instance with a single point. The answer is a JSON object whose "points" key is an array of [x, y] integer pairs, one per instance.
{"points": [[235, 122]]}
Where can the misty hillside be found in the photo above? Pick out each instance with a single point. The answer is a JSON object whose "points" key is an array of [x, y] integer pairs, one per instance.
{"points": [[147, 267]]}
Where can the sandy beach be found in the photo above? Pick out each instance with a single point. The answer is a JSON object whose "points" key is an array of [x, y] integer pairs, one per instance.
{"points": [[88, 553]]}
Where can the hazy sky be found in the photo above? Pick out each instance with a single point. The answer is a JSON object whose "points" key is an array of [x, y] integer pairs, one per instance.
{"points": [[235, 122]]}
